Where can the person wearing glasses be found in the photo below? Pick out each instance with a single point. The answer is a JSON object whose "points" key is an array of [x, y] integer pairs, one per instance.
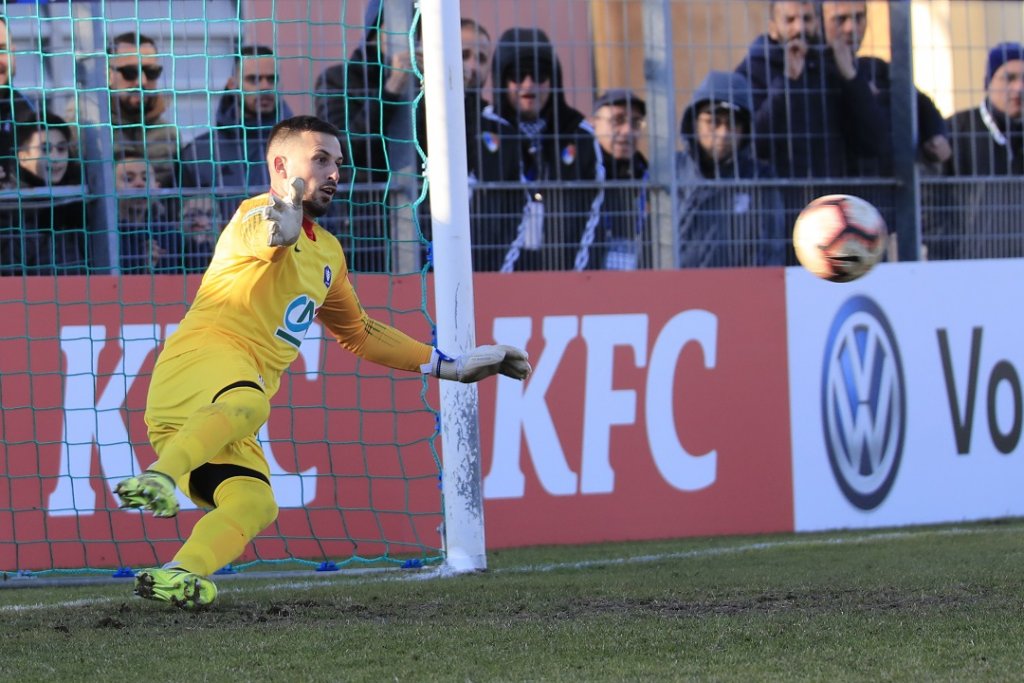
{"points": [[618, 120], [137, 106], [233, 154], [561, 159]]}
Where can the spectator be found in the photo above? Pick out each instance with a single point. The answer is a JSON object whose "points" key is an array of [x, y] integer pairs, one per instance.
{"points": [[198, 232], [619, 117], [142, 221], [363, 96], [989, 139], [844, 26], [725, 224], [48, 239], [819, 116], [233, 153], [137, 108], [14, 106], [782, 52], [493, 157], [368, 98], [558, 147], [975, 218]]}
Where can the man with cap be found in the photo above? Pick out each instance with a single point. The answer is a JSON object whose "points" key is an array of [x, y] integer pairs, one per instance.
{"points": [[619, 117], [978, 219], [724, 223], [561, 159], [989, 139]]}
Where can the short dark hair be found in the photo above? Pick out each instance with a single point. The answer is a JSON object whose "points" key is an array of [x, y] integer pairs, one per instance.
{"points": [[476, 26], [133, 38], [301, 124], [26, 126], [252, 51]]}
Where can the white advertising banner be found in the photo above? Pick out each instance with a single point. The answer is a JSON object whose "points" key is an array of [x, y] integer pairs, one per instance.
{"points": [[905, 394]]}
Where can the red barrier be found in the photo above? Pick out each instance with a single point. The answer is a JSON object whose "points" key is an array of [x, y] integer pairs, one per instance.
{"points": [[639, 378]]}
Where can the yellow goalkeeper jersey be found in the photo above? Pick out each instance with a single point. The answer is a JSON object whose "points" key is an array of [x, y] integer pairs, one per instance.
{"points": [[262, 300]]}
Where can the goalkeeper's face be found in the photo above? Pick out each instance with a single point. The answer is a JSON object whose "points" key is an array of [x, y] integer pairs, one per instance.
{"points": [[316, 158]]}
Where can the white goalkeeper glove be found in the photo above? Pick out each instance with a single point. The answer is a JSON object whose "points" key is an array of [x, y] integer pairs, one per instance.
{"points": [[285, 215], [480, 363]]}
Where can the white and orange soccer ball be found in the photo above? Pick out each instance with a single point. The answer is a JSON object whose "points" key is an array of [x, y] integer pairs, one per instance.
{"points": [[839, 237]]}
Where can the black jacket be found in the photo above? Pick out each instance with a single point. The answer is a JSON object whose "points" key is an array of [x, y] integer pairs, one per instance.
{"points": [[563, 153]]}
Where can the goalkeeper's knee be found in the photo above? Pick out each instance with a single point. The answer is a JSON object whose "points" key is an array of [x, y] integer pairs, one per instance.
{"points": [[246, 407]]}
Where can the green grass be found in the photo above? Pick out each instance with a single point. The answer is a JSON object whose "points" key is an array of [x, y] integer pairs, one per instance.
{"points": [[937, 604]]}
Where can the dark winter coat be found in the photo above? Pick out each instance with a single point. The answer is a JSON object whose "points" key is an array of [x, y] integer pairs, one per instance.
{"points": [[980, 216], [233, 153], [565, 152], [725, 223], [352, 96]]}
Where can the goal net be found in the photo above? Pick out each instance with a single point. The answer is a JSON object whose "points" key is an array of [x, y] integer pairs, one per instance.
{"points": [[132, 131]]}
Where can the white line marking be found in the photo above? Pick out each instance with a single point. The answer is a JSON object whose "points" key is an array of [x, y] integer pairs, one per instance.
{"points": [[441, 572]]}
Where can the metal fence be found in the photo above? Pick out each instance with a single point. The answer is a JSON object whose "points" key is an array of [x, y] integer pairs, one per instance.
{"points": [[558, 195]]}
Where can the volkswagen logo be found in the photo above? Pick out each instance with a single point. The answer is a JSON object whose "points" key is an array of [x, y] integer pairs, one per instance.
{"points": [[863, 402]]}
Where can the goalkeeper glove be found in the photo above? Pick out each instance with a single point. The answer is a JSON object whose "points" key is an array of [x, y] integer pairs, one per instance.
{"points": [[285, 215], [480, 363]]}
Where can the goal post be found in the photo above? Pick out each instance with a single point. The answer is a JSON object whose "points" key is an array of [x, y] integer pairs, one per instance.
{"points": [[448, 189]]}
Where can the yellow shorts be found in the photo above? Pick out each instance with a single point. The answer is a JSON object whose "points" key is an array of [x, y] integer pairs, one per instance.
{"points": [[183, 384]]}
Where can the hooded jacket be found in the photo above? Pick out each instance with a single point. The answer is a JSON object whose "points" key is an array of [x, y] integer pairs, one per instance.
{"points": [[725, 223], [233, 153], [559, 222]]}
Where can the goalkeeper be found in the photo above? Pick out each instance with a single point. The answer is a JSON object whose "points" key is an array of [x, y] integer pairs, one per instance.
{"points": [[273, 270]]}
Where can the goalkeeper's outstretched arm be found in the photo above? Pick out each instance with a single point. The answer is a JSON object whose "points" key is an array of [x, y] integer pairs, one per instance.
{"points": [[373, 340]]}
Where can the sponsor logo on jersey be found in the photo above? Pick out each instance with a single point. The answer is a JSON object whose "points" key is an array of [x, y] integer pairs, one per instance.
{"points": [[863, 402], [328, 277], [298, 316]]}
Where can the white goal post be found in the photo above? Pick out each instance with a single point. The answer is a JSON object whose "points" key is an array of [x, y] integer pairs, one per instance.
{"points": [[461, 481]]}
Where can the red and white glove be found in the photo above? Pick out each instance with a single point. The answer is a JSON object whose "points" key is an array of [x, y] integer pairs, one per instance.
{"points": [[480, 363], [285, 215]]}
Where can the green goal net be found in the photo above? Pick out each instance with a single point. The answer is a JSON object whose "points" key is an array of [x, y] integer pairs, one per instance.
{"points": [[129, 132]]}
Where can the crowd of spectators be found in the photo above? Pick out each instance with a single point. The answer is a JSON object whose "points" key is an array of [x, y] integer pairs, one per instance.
{"points": [[552, 188]]}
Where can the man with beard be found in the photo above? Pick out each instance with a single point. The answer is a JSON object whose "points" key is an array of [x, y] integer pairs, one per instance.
{"points": [[137, 107], [233, 153], [782, 52], [274, 269]]}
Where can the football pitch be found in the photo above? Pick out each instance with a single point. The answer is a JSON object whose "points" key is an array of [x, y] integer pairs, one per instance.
{"points": [[933, 603]]}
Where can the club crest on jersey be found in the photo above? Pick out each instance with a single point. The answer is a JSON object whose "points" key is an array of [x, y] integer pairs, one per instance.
{"points": [[328, 276], [491, 141], [298, 316], [568, 154]]}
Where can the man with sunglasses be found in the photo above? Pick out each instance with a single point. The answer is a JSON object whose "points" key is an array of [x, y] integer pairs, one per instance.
{"points": [[137, 106], [561, 159], [232, 154]]}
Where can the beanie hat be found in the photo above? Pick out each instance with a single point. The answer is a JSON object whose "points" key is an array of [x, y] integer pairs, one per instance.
{"points": [[999, 55]]}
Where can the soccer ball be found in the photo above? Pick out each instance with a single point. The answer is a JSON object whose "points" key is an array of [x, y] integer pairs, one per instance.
{"points": [[839, 237]]}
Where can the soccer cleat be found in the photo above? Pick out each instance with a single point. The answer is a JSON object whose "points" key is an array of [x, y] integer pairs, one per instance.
{"points": [[150, 491], [177, 586]]}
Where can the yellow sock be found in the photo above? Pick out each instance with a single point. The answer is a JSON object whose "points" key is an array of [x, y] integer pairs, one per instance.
{"points": [[235, 415], [245, 507]]}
